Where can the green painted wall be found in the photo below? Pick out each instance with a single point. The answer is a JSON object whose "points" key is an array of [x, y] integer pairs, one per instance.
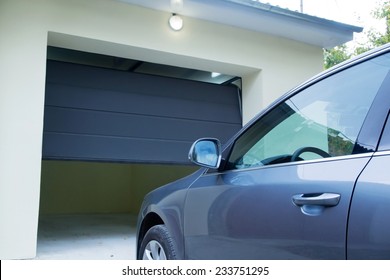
{"points": [[71, 187]]}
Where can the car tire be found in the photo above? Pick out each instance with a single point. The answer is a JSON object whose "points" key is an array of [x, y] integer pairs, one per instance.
{"points": [[157, 245]]}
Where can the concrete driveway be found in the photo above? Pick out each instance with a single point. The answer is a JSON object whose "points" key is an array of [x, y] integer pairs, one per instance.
{"points": [[86, 237]]}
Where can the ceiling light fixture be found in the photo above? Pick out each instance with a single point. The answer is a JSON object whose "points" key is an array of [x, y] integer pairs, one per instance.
{"points": [[176, 22]]}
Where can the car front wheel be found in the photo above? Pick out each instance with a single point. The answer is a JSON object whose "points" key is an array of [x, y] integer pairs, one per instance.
{"points": [[157, 245]]}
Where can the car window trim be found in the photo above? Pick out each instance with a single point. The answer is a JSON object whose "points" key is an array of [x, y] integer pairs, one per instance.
{"points": [[381, 153], [313, 161]]}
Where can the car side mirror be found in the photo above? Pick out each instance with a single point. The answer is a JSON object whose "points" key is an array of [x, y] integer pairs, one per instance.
{"points": [[206, 152]]}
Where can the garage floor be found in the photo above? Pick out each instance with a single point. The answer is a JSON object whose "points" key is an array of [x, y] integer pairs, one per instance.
{"points": [[86, 237]]}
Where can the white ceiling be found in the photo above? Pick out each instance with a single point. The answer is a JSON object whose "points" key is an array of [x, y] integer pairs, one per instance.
{"points": [[264, 18]]}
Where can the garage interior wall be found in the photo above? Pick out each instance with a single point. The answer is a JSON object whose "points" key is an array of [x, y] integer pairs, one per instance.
{"points": [[75, 187], [268, 66]]}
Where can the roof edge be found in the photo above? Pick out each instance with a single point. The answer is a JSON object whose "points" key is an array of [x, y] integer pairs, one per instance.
{"points": [[297, 15]]}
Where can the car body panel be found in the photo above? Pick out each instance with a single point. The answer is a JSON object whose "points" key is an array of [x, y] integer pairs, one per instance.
{"points": [[250, 215], [369, 225], [166, 202]]}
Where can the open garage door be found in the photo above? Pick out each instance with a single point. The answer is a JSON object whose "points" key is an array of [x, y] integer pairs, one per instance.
{"points": [[97, 114]]}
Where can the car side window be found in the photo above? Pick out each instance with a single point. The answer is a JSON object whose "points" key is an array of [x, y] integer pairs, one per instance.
{"points": [[384, 144], [320, 121]]}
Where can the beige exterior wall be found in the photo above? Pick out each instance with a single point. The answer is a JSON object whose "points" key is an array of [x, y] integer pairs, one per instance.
{"points": [[268, 65]]}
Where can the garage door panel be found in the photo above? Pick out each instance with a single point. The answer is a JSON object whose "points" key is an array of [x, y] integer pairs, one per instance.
{"points": [[114, 149], [136, 103], [80, 121], [83, 76], [99, 114]]}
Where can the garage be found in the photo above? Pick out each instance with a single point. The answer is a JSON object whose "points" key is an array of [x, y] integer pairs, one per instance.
{"points": [[68, 149], [116, 128]]}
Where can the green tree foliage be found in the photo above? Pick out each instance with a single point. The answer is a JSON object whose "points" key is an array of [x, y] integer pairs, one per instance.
{"points": [[374, 39], [335, 56]]}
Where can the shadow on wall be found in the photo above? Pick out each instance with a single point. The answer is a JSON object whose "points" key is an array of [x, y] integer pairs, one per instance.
{"points": [[72, 187]]}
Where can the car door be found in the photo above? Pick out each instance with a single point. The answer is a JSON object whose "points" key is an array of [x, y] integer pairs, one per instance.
{"points": [[284, 191]]}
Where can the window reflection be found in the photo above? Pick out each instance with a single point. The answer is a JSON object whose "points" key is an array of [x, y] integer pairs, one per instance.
{"points": [[206, 153], [327, 116]]}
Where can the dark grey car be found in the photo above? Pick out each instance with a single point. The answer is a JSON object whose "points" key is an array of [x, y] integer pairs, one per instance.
{"points": [[308, 178]]}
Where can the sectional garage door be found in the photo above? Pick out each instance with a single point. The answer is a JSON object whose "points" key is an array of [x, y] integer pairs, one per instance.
{"points": [[97, 114]]}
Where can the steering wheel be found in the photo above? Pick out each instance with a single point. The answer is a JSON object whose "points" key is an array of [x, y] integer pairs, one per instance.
{"points": [[302, 150]]}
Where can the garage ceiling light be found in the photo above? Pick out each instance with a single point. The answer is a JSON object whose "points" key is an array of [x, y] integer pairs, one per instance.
{"points": [[215, 74], [176, 22]]}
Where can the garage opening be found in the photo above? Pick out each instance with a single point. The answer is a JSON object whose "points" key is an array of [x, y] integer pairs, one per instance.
{"points": [[114, 129]]}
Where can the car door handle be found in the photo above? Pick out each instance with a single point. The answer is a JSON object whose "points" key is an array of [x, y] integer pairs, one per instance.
{"points": [[321, 199]]}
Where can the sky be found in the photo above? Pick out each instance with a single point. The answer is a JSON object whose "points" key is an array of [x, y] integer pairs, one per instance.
{"points": [[354, 12]]}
